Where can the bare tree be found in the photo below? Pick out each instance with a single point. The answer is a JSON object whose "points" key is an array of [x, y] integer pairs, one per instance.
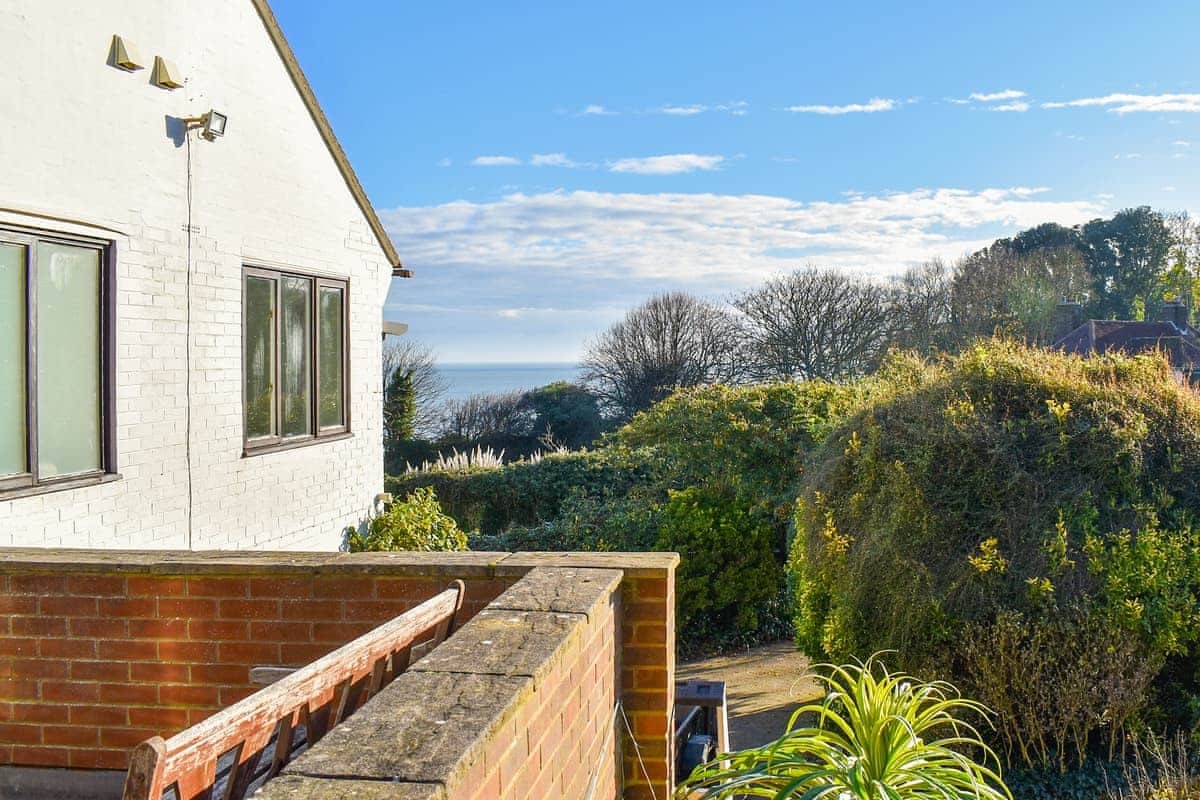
{"points": [[483, 416], [815, 323], [671, 340], [921, 312], [428, 384]]}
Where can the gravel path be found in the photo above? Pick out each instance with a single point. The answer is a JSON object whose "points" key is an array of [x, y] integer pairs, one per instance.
{"points": [[764, 687]]}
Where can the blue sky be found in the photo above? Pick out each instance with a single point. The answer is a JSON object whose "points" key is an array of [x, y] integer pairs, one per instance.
{"points": [[543, 166]]}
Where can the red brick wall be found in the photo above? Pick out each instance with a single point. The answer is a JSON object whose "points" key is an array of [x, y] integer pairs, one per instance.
{"points": [[91, 665], [561, 740], [648, 677], [100, 650]]}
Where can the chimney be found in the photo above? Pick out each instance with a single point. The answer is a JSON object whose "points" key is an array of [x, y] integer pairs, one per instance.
{"points": [[1068, 315], [1174, 311]]}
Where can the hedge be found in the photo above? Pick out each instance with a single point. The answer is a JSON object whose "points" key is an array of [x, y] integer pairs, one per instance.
{"points": [[1021, 523]]}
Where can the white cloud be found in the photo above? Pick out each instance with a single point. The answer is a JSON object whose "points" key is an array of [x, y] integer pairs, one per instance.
{"points": [[444, 162], [495, 161], [993, 97], [1181, 143], [871, 106], [553, 160], [595, 110], [737, 109], [712, 242], [1019, 105], [1133, 103], [1127, 156], [666, 165]]}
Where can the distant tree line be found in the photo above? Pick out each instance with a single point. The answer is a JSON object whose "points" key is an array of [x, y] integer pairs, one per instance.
{"points": [[813, 323], [828, 324]]}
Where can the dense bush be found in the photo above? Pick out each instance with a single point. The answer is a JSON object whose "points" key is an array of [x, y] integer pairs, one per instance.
{"points": [[748, 442], [726, 462], [1022, 522], [729, 573], [523, 492], [601, 522], [415, 523]]}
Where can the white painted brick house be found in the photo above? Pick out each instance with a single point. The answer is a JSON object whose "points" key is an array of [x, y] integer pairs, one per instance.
{"points": [[189, 327]]}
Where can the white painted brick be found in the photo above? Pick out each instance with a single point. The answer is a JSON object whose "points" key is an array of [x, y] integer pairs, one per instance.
{"points": [[266, 192]]}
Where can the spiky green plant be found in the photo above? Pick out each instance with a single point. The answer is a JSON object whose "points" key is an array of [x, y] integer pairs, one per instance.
{"points": [[877, 735]]}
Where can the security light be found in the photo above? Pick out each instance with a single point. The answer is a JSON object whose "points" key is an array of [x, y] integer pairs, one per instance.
{"points": [[211, 125]]}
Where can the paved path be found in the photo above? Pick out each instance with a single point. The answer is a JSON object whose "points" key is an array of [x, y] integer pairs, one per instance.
{"points": [[764, 685]]}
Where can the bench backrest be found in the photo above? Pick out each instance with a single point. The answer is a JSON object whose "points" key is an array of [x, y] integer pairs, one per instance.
{"points": [[229, 753]]}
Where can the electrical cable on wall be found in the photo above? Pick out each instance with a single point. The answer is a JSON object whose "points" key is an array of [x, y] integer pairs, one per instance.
{"points": [[187, 349]]}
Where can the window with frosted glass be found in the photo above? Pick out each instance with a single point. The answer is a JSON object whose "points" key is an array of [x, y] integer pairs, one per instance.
{"points": [[68, 359], [56, 393], [13, 441], [295, 379], [259, 355], [331, 363], [294, 362]]}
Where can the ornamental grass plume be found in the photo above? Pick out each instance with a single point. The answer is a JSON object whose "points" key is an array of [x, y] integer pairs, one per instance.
{"points": [[876, 735]]}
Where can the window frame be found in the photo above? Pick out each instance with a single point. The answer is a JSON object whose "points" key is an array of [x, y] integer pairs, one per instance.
{"points": [[276, 441], [30, 482]]}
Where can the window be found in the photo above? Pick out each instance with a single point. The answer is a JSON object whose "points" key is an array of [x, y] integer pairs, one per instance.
{"points": [[57, 420], [294, 358]]}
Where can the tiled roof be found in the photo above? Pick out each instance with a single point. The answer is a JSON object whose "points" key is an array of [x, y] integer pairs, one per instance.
{"points": [[1180, 343]]}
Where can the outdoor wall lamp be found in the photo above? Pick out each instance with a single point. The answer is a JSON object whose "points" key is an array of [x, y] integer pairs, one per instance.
{"points": [[211, 125]]}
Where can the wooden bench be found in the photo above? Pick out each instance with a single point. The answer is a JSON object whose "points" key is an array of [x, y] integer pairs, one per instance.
{"points": [[240, 747]]}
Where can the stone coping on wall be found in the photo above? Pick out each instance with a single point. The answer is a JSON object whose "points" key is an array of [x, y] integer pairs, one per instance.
{"points": [[461, 565], [438, 729]]}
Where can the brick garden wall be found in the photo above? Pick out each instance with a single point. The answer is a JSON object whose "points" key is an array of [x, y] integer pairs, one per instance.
{"points": [[100, 650], [526, 693]]}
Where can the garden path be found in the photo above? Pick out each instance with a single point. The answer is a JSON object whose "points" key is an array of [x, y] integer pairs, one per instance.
{"points": [[764, 686]]}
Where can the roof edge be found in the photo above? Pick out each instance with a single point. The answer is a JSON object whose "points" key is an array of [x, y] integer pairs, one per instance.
{"points": [[322, 122]]}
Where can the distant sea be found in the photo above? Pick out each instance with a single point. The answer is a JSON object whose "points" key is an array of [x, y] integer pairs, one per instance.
{"points": [[467, 379]]}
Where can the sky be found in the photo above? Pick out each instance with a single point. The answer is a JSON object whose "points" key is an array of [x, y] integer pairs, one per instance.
{"points": [[542, 167]]}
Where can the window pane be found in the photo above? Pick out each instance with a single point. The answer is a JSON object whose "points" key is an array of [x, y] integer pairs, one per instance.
{"points": [[329, 340], [294, 358], [259, 358], [68, 359], [12, 359]]}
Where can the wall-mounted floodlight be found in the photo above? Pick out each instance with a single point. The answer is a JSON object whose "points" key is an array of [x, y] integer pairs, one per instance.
{"points": [[211, 125]]}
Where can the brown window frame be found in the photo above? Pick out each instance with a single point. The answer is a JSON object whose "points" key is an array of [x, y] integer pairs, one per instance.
{"points": [[30, 482], [274, 442]]}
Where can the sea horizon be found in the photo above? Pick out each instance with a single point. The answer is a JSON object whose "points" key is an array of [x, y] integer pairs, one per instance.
{"points": [[467, 378]]}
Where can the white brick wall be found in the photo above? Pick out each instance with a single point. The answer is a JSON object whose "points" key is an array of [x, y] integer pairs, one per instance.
{"points": [[88, 142]]}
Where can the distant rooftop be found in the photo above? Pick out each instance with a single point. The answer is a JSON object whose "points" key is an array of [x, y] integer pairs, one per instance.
{"points": [[1171, 334]]}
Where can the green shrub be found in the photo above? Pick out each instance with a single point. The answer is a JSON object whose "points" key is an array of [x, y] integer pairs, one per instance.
{"points": [[1011, 481], [874, 736], [746, 442], [726, 462], [586, 522], [728, 570], [522, 493], [416, 523]]}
